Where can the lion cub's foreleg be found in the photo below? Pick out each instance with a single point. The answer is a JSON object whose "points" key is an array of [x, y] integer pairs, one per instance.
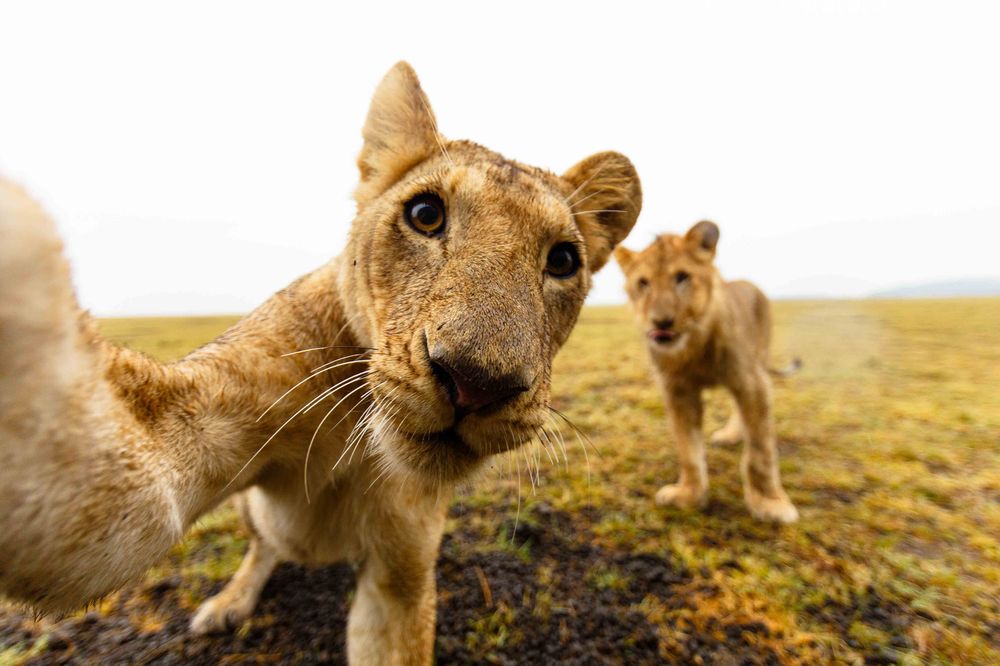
{"points": [[684, 405], [762, 488], [392, 618], [235, 603], [237, 600]]}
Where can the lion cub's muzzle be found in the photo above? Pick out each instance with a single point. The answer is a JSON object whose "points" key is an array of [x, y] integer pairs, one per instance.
{"points": [[472, 386]]}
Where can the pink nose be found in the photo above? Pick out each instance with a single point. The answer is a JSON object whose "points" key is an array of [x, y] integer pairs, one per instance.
{"points": [[471, 387]]}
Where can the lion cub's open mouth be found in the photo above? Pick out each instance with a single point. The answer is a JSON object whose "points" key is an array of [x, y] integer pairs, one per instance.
{"points": [[663, 337]]}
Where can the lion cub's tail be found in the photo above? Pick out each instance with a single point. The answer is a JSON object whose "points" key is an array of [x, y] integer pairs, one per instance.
{"points": [[788, 370]]}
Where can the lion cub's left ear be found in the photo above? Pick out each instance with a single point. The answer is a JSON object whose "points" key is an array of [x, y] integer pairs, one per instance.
{"points": [[605, 199], [701, 240], [399, 132], [625, 257]]}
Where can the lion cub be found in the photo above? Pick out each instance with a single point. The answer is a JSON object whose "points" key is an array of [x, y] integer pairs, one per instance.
{"points": [[344, 410], [703, 331]]}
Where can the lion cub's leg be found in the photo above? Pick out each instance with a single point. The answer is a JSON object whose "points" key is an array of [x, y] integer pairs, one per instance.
{"points": [[234, 604], [762, 489], [691, 490], [229, 608], [392, 618], [732, 432]]}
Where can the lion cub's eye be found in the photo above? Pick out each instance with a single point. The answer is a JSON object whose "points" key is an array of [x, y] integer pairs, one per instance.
{"points": [[682, 277], [425, 213], [563, 261], [642, 283]]}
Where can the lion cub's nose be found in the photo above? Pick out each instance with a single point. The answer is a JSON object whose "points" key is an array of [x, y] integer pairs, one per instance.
{"points": [[664, 323], [472, 387]]}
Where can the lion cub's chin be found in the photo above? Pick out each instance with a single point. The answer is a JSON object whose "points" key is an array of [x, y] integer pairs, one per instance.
{"points": [[449, 455]]}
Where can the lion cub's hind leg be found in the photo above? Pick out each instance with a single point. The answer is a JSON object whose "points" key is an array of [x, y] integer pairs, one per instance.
{"points": [[237, 600], [731, 433]]}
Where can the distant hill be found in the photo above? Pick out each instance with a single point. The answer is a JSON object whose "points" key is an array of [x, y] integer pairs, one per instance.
{"points": [[944, 289]]}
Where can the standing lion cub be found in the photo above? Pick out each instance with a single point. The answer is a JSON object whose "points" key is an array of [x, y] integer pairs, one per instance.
{"points": [[345, 408], [702, 331]]}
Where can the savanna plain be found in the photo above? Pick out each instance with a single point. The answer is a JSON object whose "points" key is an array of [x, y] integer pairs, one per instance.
{"points": [[890, 447]]}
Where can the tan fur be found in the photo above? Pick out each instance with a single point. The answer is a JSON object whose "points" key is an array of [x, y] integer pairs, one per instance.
{"points": [[106, 456], [721, 336]]}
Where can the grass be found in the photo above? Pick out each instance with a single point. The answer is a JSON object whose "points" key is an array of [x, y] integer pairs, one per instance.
{"points": [[890, 445]]}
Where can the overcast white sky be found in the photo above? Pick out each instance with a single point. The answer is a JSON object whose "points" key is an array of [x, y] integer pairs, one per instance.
{"points": [[198, 156]]}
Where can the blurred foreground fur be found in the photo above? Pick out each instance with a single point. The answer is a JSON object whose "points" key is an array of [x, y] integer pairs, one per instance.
{"points": [[432, 337], [701, 332]]}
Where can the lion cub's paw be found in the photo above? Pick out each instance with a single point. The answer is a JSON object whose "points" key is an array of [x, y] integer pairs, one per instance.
{"points": [[681, 495], [777, 509], [220, 613], [726, 437]]}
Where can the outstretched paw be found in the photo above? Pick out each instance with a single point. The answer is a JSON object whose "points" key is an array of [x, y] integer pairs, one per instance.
{"points": [[681, 495]]}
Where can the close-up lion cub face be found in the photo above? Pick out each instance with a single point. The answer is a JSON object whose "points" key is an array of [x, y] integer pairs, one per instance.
{"points": [[470, 270], [670, 286]]}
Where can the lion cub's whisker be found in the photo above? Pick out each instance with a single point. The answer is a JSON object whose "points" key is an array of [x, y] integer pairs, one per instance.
{"points": [[346, 447], [582, 199], [600, 210], [341, 362], [549, 447], [517, 514], [527, 465], [361, 425], [391, 415], [302, 409], [314, 373], [325, 393], [579, 432], [558, 436], [312, 440], [584, 184], [303, 351], [369, 393], [437, 134], [580, 435]]}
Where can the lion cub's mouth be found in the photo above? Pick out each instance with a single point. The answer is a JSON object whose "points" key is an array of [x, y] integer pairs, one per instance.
{"points": [[452, 440], [443, 439], [662, 336]]}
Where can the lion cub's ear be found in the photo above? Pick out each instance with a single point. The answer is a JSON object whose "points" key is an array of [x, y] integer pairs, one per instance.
{"points": [[625, 257], [399, 132], [701, 240], [605, 199]]}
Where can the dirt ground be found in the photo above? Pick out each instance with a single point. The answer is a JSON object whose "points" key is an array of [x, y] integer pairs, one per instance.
{"points": [[534, 601]]}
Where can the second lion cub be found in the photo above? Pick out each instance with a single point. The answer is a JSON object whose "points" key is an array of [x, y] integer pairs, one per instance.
{"points": [[702, 331]]}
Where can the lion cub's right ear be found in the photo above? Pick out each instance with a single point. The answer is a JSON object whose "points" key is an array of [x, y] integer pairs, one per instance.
{"points": [[400, 131], [625, 257], [605, 201], [701, 240]]}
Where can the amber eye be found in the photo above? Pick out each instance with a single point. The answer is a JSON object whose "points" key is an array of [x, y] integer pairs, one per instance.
{"points": [[563, 261], [682, 277], [425, 213], [642, 283]]}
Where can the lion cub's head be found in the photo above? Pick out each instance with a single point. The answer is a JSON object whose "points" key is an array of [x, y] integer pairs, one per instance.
{"points": [[670, 285], [465, 271]]}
